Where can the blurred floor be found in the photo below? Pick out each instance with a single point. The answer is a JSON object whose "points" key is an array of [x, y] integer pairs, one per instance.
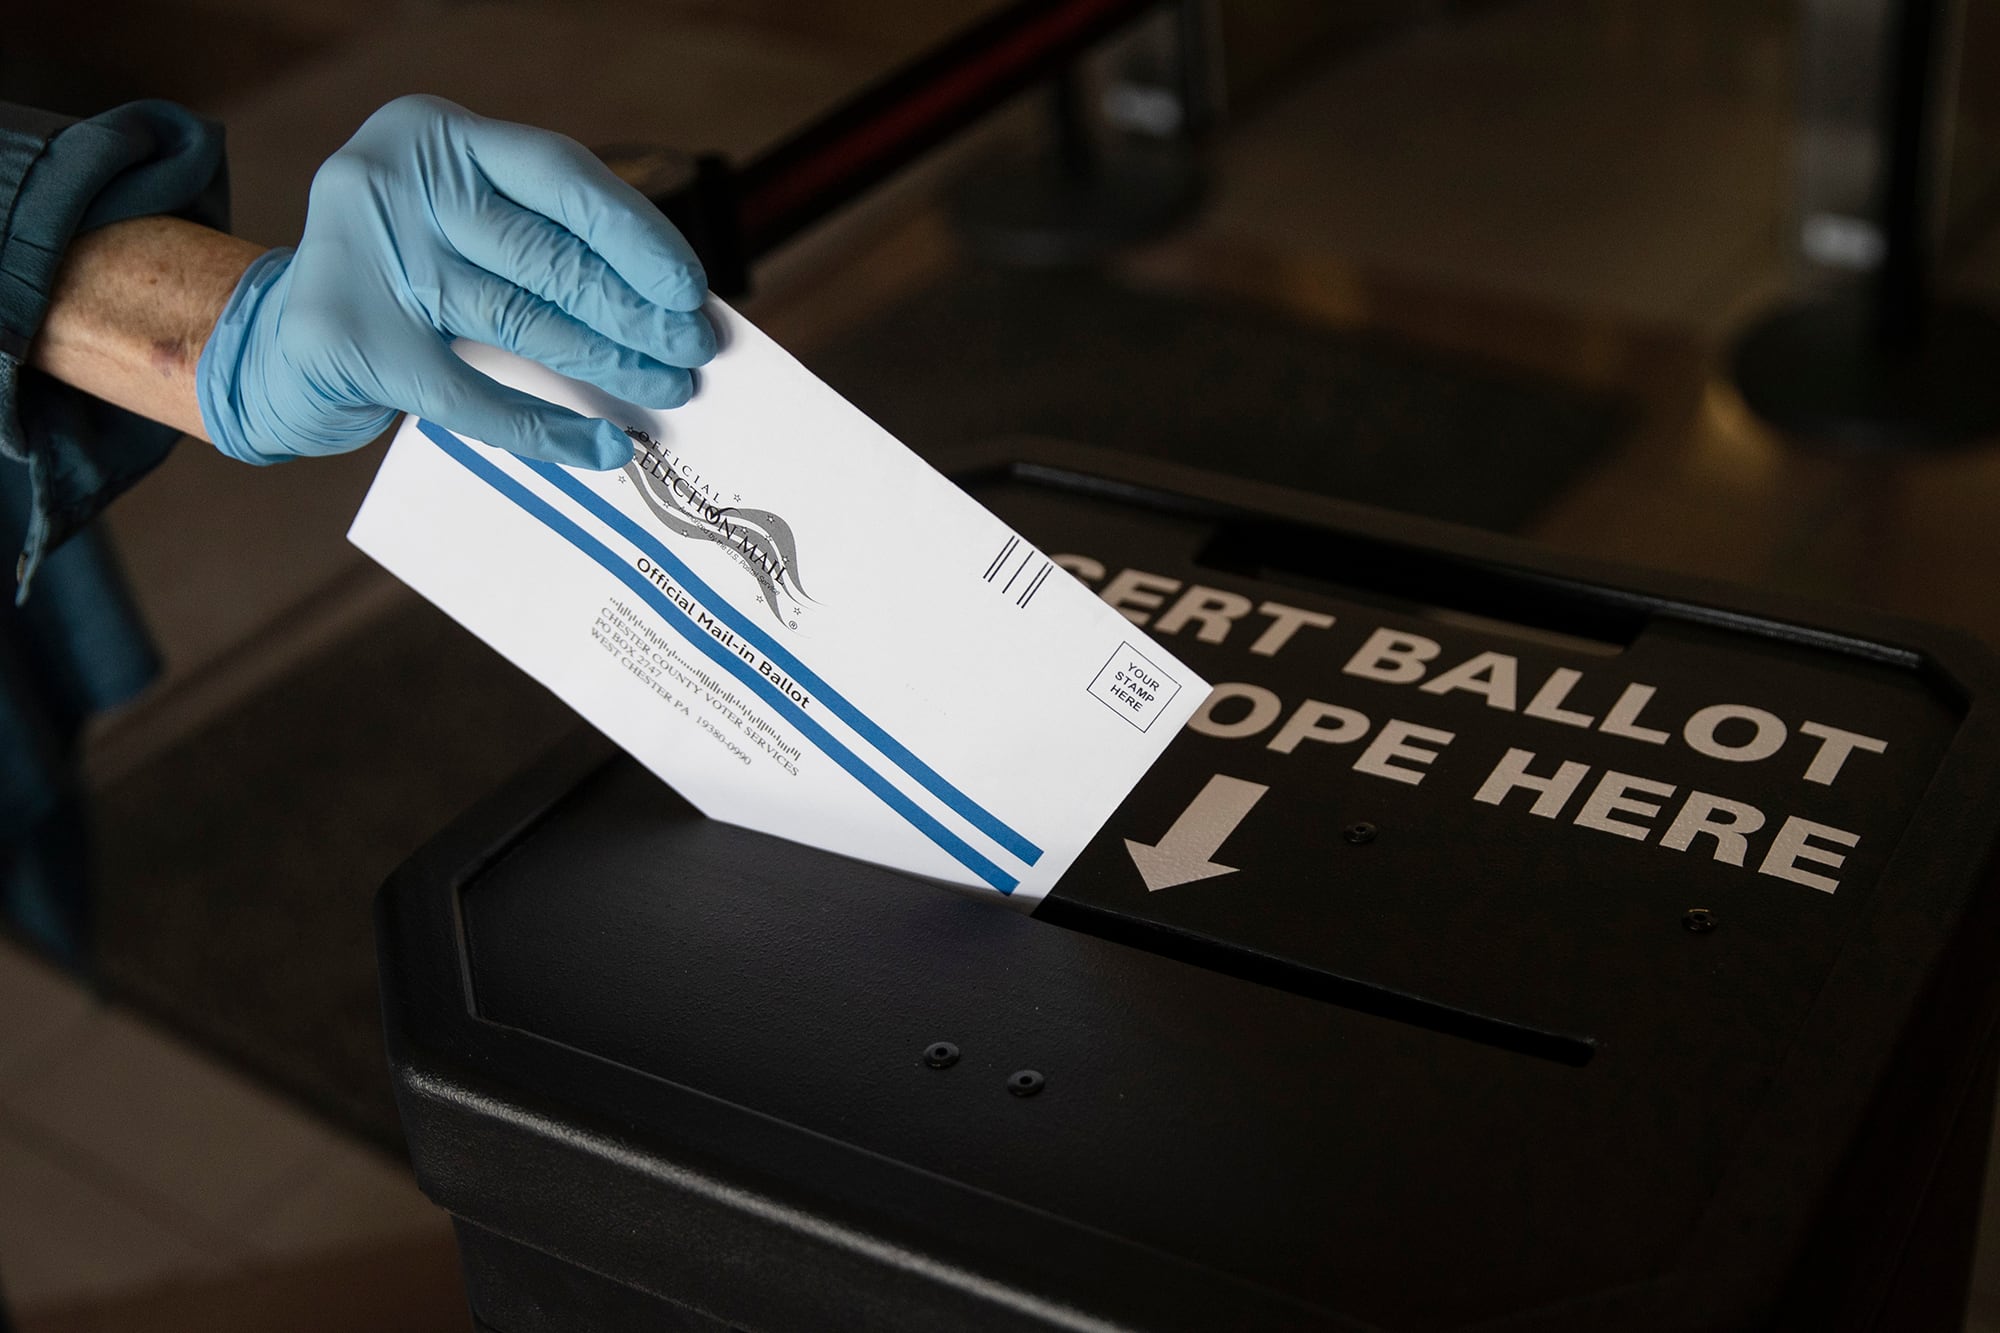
{"points": [[138, 1179], [1590, 191], [1608, 159], [1598, 191]]}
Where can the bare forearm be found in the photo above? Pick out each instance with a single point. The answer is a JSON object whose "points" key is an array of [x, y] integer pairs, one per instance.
{"points": [[133, 306]]}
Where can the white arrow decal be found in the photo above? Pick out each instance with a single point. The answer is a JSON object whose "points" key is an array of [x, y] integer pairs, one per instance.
{"points": [[1182, 856]]}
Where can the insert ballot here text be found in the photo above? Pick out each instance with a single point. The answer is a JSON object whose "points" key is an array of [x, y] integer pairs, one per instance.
{"points": [[1537, 781]]}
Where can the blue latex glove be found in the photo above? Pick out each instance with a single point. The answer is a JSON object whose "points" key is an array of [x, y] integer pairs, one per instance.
{"points": [[433, 223]]}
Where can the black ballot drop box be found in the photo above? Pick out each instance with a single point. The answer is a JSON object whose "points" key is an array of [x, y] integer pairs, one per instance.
{"points": [[1510, 943]]}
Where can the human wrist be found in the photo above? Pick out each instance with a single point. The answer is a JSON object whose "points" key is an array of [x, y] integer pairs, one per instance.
{"points": [[130, 311]]}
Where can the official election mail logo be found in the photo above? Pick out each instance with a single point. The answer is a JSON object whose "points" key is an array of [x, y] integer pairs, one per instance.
{"points": [[761, 541]]}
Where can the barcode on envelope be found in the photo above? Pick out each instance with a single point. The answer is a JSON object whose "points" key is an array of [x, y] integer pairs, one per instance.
{"points": [[1018, 570]]}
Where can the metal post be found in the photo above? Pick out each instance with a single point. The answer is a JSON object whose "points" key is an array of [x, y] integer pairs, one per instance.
{"points": [[1877, 360]]}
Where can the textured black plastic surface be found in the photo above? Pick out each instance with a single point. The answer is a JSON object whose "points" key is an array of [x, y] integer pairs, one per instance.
{"points": [[1473, 1070]]}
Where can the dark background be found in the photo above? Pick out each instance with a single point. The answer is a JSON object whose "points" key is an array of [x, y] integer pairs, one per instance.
{"points": [[1476, 261]]}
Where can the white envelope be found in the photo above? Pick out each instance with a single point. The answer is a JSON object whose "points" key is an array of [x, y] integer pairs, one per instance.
{"points": [[794, 620]]}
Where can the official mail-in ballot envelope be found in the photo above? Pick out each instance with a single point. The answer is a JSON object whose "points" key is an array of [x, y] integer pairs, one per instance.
{"points": [[793, 619]]}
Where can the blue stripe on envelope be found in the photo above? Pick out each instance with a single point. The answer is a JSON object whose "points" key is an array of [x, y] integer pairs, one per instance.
{"points": [[540, 510], [968, 809]]}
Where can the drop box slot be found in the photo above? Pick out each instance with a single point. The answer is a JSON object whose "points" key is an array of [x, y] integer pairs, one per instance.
{"points": [[1313, 984]]}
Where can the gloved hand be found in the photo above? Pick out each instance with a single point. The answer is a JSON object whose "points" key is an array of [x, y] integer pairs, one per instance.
{"points": [[433, 223]]}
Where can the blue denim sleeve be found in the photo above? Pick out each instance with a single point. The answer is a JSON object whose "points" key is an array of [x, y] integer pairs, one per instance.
{"points": [[68, 454]]}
